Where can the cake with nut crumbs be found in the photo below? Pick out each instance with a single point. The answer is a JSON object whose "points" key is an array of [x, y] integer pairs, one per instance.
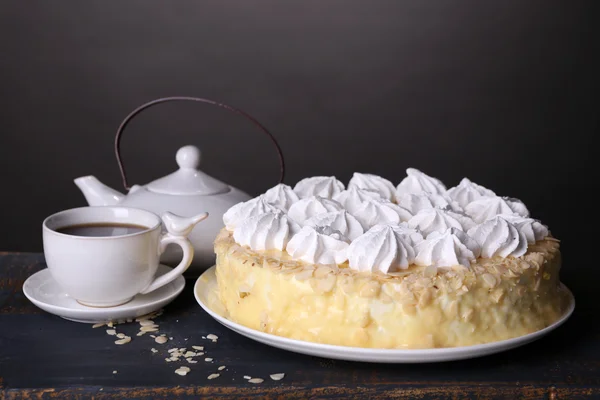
{"points": [[371, 264]]}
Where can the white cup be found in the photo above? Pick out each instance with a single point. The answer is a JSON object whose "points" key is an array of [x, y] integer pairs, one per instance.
{"points": [[107, 271]]}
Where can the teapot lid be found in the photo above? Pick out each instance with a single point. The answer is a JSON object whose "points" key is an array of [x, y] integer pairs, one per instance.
{"points": [[188, 180]]}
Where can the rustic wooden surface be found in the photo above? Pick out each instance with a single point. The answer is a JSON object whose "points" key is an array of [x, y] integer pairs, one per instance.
{"points": [[43, 356]]}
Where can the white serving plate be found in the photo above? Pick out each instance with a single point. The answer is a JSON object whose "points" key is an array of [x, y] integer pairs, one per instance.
{"points": [[206, 285]]}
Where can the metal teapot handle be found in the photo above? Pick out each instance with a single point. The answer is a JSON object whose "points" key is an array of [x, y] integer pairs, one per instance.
{"points": [[199, 100]]}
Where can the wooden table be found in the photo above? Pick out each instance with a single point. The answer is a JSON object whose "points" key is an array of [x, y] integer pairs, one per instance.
{"points": [[44, 356]]}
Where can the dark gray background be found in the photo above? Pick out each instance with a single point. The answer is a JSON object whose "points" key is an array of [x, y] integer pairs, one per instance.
{"points": [[503, 92]]}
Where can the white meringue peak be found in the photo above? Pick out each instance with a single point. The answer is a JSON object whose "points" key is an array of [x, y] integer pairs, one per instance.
{"points": [[353, 198], [381, 249], [450, 248], [466, 192], [433, 219], [374, 183], [412, 235], [241, 211], [498, 237], [268, 231], [533, 229], [418, 182], [373, 212], [340, 221], [488, 207], [309, 207], [415, 202], [318, 246], [281, 196], [323, 186], [425, 224]]}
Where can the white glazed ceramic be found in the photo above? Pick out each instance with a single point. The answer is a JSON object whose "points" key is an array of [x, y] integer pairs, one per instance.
{"points": [[205, 291], [109, 271], [43, 291], [186, 192]]}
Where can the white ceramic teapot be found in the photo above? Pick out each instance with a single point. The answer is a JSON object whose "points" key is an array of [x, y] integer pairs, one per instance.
{"points": [[186, 192]]}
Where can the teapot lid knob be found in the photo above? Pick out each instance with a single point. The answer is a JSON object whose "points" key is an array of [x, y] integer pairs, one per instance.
{"points": [[188, 157], [188, 179]]}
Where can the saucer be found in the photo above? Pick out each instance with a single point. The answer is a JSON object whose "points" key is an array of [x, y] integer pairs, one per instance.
{"points": [[43, 291]]}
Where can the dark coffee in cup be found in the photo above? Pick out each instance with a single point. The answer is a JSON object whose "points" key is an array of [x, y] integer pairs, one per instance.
{"points": [[101, 229]]}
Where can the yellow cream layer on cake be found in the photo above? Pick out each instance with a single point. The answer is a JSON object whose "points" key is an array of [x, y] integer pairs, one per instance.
{"points": [[420, 307]]}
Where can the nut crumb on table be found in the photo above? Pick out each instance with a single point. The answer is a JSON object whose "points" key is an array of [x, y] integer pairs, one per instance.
{"points": [[124, 340], [182, 371]]}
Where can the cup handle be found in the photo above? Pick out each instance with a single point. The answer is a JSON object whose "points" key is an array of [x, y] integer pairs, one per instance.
{"points": [[178, 228]]}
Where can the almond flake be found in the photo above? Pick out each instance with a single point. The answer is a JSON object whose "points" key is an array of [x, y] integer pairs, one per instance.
{"points": [[161, 340], [198, 347], [221, 368], [149, 328], [490, 280], [277, 377], [120, 335], [189, 354], [256, 380], [191, 361], [146, 322], [111, 332], [172, 350], [213, 376], [208, 359], [212, 337], [126, 339], [247, 377], [183, 371], [98, 325], [154, 350], [430, 271]]}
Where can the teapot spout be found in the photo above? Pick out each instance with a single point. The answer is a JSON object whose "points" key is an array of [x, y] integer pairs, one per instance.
{"points": [[96, 193]]}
